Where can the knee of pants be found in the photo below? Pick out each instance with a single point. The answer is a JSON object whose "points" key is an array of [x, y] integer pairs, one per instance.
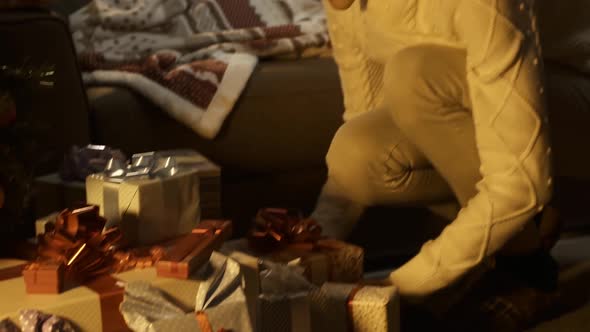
{"points": [[423, 79], [361, 166]]}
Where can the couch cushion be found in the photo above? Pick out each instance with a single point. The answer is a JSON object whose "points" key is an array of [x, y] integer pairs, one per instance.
{"points": [[284, 120]]}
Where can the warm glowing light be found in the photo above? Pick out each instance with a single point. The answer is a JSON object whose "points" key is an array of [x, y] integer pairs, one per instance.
{"points": [[76, 254]]}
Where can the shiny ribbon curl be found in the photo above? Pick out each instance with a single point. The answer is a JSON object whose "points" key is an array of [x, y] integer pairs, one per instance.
{"points": [[205, 324], [77, 241], [278, 228], [80, 162], [149, 164]]}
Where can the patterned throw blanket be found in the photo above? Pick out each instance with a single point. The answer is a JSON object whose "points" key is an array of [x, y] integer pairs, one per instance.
{"points": [[192, 58]]}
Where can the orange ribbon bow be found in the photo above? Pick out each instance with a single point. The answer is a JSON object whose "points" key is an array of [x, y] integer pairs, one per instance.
{"points": [[276, 228], [78, 242]]}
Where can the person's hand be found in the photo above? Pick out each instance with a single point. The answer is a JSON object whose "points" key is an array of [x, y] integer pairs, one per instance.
{"points": [[341, 4]]}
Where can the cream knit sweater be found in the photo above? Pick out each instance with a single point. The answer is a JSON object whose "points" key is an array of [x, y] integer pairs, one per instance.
{"points": [[504, 65]]}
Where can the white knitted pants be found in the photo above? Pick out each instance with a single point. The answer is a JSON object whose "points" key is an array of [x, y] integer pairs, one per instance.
{"points": [[386, 156]]}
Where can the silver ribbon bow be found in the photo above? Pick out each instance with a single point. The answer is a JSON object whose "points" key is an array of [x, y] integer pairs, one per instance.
{"points": [[148, 164], [146, 309]]}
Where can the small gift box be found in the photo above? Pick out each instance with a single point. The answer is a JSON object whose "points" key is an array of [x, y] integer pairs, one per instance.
{"points": [[220, 303], [193, 250], [349, 307], [283, 236], [152, 200], [45, 278]]}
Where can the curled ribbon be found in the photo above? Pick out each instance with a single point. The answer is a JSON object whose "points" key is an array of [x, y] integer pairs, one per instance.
{"points": [[204, 323], [77, 241], [276, 228], [148, 164]]}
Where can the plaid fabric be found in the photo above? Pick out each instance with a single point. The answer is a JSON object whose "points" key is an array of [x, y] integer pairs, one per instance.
{"points": [[504, 310], [502, 313], [505, 299]]}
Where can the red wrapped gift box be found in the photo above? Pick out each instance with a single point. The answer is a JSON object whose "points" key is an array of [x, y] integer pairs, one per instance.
{"points": [[45, 278], [193, 250]]}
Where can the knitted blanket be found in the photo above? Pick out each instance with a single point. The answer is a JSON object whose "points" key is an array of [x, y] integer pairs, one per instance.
{"points": [[192, 58]]}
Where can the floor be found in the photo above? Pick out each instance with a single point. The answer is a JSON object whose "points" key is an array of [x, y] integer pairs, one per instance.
{"points": [[573, 254]]}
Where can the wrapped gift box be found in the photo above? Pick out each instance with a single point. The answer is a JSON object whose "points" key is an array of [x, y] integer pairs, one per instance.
{"points": [[209, 176], [193, 250], [44, 278], [81, 305], [219, 305], [249, 266], [284, 299], [289, 313], [183, 291], [278, 300], [349, 307], [90, 297], [93, 307], [54, 194], [148, 210], [327, 260], [333, 307]]}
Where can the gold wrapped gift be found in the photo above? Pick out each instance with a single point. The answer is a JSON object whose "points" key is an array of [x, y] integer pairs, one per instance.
{"points": [[93, 307], [350, 307], [148, 210], [209, 179]]}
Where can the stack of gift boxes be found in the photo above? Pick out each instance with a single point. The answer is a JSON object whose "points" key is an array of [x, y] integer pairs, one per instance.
{"points": [[140, 256]]}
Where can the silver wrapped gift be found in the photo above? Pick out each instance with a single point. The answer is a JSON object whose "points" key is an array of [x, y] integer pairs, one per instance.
{"points": [[283, 302], [277, 294], [351, 307], [152, 199], [220, 303], [330, 260]]}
